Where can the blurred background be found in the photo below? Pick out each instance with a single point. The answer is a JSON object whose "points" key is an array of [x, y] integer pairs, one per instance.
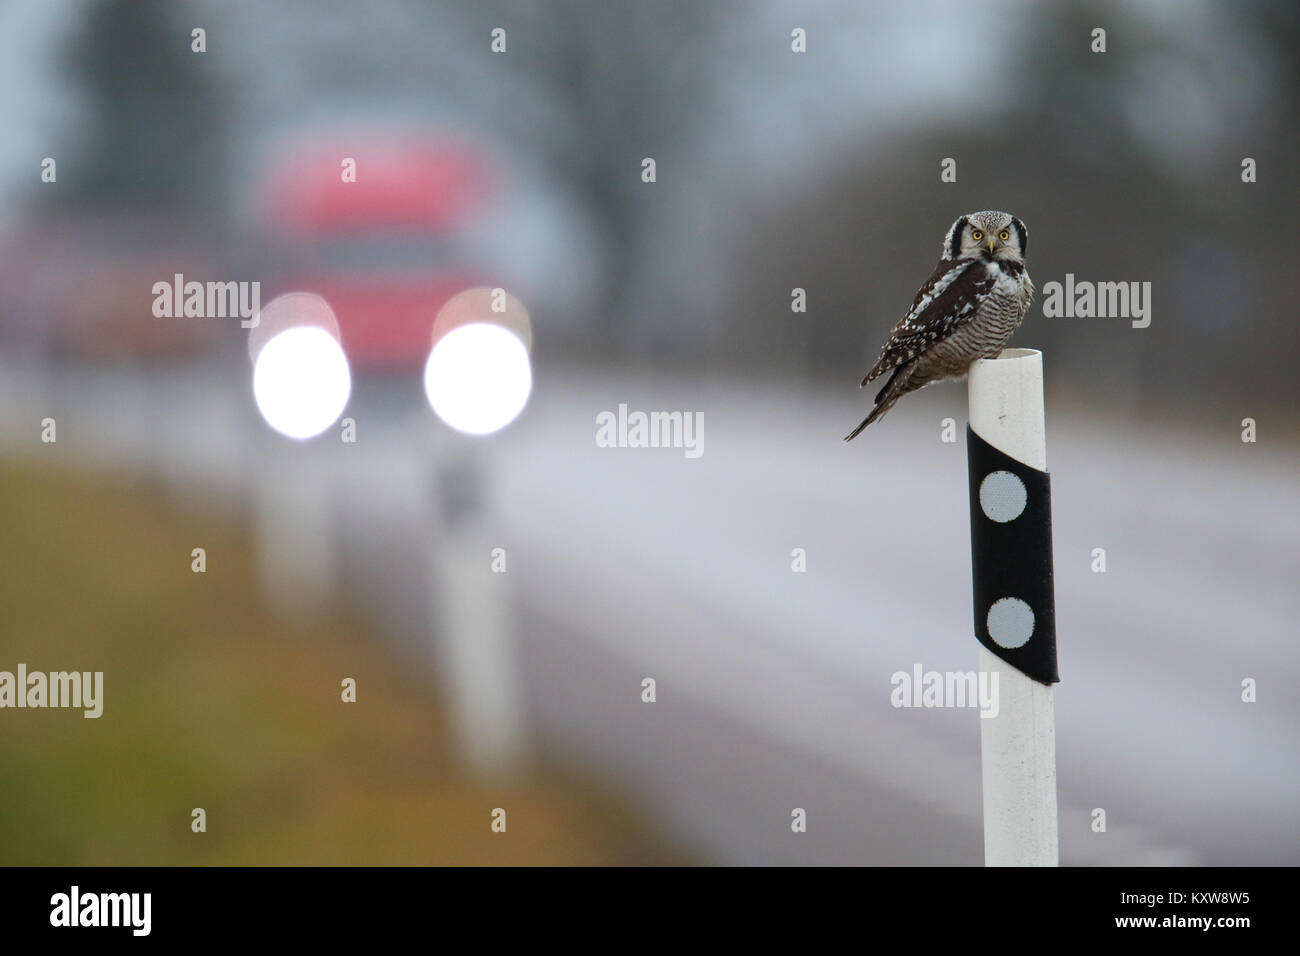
{"points": [[500, 590]]}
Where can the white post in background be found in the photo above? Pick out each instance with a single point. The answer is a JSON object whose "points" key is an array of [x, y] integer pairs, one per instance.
{"points": [[1018, 746], [476, 645], [477, 379], [293, 530]]}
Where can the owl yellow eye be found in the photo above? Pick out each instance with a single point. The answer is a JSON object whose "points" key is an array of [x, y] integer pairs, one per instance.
{"points": [[1004, 235], [977, 235]]}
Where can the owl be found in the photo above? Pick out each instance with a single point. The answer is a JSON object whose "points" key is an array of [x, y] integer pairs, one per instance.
{"points": [[967, 310]]}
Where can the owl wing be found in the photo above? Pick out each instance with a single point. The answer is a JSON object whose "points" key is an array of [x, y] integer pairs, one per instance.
{"points": [[948, 300]]}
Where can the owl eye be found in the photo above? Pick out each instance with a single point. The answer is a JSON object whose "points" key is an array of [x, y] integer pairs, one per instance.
{"points": [[977, 235], [1004, 235]]}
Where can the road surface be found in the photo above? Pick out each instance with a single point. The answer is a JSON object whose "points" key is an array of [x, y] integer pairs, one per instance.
{"points": [[773, 687]]}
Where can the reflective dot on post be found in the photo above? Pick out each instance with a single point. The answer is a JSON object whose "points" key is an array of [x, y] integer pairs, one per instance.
{"points": [[1003, 496], [1011, 622]]}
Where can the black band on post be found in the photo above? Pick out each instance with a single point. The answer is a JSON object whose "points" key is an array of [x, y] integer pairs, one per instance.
{"points": [[1011, 559]]}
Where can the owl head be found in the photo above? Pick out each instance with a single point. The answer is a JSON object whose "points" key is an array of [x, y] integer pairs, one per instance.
{"points": [[987, 235]]}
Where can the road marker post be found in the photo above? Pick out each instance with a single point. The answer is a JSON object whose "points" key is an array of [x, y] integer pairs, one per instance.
{"points": [[1014, 606]]}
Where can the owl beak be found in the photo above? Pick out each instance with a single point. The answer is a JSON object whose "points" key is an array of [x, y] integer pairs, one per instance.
{"points": [[990, 247]]}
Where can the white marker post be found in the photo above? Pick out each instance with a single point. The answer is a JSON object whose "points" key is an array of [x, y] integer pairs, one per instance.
{"points": [[1018, 746], [477, 646]]}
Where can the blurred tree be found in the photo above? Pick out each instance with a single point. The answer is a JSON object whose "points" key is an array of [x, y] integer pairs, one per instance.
{"points": [[154, 125], [622, 81]]}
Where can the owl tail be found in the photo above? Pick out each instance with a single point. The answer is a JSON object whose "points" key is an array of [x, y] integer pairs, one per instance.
{"points": [[897, 386]]}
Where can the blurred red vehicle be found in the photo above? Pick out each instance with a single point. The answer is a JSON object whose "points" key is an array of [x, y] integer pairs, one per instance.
{"points": [[386, 250]]}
